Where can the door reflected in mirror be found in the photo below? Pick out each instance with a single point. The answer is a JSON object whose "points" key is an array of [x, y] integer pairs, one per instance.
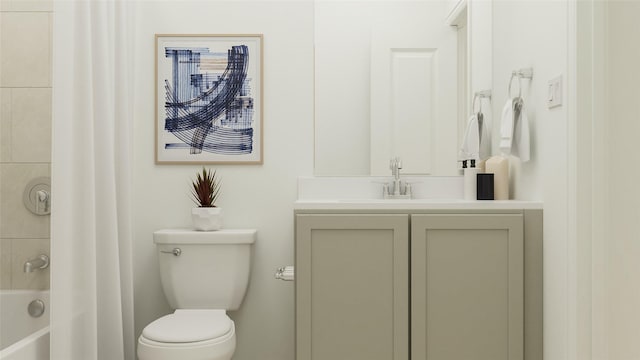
{"points": [[386, 85]]}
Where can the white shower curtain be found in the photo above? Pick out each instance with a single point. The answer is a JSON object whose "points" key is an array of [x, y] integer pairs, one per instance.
{"points": [[91, 265]]}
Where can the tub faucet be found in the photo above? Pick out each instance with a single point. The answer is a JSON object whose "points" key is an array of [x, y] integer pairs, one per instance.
{"points": [[38, 263]]}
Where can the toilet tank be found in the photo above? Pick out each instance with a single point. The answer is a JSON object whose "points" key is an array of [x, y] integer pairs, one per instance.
{"points": [[204, 269]]}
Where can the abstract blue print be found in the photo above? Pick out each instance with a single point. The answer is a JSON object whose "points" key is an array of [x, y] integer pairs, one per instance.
{"points": [[209, 105]]}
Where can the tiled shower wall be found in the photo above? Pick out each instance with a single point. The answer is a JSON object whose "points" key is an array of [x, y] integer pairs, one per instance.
{"points": [[25, 136]]}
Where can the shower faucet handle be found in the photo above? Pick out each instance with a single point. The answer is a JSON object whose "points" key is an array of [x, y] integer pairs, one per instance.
{"points": [[37, 196], [43, 198]]}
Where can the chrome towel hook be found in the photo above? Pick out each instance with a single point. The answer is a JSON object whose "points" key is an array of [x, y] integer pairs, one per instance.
{"points": [[526, 73], [483, 94]]}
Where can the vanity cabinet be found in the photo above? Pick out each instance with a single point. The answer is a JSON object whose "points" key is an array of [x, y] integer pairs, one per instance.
{"points": [[419, 285], [467, 287], [352, 289]]}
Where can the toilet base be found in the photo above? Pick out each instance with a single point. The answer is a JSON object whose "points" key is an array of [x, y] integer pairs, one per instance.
{"points": [[221, 348]]}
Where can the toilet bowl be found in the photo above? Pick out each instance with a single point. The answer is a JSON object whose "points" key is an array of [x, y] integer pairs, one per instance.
{"points": [[189, 335], [203, 274]]}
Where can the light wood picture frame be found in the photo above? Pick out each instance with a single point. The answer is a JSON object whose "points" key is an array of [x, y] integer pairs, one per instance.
{"points": [[209, 107]]}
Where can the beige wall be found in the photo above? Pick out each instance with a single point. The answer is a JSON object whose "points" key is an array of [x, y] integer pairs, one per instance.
{"points": [[623, 240], [608, 291], [25, 136]]}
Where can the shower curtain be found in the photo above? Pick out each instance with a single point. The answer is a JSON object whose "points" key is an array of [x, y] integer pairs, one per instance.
{"points": [[91, 265]]}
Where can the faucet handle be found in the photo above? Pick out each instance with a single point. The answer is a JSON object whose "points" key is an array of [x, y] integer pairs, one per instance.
{"points": [[385, 187], [43, 200], [408, 190]]}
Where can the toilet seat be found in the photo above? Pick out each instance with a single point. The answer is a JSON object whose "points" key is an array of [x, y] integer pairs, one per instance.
{"points": [[187, 335], [185, 326]]}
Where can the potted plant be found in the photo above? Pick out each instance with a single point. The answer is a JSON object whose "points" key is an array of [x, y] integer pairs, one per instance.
{"points": [[206, 188]]}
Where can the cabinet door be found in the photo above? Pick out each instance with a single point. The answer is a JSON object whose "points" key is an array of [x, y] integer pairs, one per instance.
{"points": [[352, 287], [467, 287]]}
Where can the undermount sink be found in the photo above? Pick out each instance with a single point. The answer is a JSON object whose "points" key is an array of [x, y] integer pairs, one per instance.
{"points": [[396, 201], [366, 190]]}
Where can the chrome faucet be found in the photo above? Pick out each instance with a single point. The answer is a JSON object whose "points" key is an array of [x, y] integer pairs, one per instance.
{"points": [[38, 263], [395, 164]]}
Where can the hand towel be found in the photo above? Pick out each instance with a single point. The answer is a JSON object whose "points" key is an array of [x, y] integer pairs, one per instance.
{"points": [[470, 148], [521, 146], [485, 137], [506, 127]]}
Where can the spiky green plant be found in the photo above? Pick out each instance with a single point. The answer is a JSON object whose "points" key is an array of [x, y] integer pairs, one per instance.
{"points": [[206, 188]]}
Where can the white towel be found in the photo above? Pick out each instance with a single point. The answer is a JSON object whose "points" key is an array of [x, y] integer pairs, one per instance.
{"points": [[485, 137], [514, 130], [506, 127], [470, 148], [521, 146]]}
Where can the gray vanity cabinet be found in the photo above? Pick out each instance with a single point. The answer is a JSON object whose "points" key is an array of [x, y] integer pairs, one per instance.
{"points": [[467, 287], [419, 285], [352, 288]]}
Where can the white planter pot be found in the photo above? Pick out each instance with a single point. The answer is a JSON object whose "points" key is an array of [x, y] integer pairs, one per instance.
{"points": [[206, 218]]}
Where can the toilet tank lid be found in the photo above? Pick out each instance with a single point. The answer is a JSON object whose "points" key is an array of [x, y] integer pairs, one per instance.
{"points": [[186, 326], [188, 236]]}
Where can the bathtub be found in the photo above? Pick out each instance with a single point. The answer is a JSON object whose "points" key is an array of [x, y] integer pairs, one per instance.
{"points": [[23, 337]]}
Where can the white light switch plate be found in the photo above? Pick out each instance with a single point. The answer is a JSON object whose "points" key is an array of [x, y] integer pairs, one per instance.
{"points": [[554, 96]]}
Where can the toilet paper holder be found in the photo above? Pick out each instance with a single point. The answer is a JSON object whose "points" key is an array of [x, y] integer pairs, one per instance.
{"points": [[285, 273]]}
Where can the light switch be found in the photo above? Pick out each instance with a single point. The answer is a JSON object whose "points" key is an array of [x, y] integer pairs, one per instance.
{"points": [[554, 96]]}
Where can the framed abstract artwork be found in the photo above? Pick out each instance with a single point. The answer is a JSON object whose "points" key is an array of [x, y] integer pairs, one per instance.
{"points": [[208, 99]]}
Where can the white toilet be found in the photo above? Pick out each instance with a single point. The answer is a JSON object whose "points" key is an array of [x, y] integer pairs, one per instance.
{"points": [[203, 274]]}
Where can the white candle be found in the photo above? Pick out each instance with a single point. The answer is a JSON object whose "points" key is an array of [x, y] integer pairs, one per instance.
{"points": [[499, 167]]}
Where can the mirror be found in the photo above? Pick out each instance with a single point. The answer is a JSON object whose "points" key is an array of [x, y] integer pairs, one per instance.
{"points": [[389, 77]]}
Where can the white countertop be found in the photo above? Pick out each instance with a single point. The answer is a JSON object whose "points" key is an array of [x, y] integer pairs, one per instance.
{"points": [[365, 193], [415, 204]]}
